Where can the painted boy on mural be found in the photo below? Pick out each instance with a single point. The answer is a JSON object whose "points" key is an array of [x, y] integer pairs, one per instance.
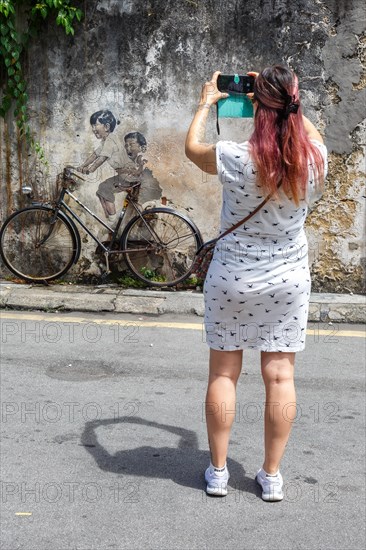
{"points": [[125, 157]]}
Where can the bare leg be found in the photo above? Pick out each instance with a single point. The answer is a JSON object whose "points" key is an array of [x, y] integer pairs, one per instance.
{"points": [[280, 409], [108, 207], [102, 202], [225, 367]]}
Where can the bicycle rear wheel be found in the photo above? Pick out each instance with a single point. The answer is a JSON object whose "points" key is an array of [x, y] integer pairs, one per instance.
{"points": [[35, 249], [160, 246]]}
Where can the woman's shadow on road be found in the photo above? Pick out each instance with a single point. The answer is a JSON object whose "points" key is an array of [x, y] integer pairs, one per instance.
{"points": [[185, 464]]}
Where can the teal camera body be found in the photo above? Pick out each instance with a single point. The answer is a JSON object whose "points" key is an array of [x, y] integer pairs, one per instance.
{"points": [[235, 106]]}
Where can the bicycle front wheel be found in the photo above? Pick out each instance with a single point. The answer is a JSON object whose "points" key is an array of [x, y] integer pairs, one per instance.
{"points": [[36, 246], [160, 246]]}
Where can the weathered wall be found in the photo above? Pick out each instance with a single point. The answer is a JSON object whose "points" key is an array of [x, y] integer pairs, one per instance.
{"points": [[146, 61]]}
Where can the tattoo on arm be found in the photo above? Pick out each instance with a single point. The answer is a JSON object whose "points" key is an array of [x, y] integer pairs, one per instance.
{"points": [[201, 130]]}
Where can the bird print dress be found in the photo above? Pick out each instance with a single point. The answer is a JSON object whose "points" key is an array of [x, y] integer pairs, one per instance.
{"points": [[257, 288]]}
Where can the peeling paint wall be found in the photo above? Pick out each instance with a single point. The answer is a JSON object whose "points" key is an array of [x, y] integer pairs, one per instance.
{"points": [[146, 61]]}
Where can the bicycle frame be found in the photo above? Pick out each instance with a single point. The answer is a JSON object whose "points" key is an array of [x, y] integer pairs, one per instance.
{"points": [[158, 244], [62, 206]]}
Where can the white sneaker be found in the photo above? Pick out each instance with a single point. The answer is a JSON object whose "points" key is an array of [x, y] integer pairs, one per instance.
{"points": [[271, 485], [217, 479]]}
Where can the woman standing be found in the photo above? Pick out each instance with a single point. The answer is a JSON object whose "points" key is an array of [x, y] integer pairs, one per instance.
{"points": [[257, 288]]}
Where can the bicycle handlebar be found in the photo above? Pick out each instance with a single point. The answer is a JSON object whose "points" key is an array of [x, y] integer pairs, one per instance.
{"points": [[134, 185], [68, 172], [77, 175]]}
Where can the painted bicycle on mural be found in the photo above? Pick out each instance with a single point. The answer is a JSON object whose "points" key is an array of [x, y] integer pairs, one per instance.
{"points": [[42, 242]]}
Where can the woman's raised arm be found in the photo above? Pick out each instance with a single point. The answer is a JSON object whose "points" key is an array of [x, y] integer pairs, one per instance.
{"points": [[200, 153]]}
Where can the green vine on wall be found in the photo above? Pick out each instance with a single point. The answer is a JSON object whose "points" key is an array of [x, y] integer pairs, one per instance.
{"points": [[14, 40]]}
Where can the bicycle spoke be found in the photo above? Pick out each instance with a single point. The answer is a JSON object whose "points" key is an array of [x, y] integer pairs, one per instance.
{"points": [[35, 249], [161, 247]]}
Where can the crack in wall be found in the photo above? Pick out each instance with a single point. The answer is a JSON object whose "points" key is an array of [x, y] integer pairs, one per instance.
{"points": [[151, 79]]}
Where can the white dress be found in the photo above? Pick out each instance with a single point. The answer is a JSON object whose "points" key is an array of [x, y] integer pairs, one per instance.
{"points": [[258, 284]]}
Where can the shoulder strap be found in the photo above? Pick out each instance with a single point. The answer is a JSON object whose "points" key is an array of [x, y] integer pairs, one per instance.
{"points": [[217, 118], [244, 220]]}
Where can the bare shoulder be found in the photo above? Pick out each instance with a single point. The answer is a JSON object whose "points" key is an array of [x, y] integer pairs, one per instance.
{"points": [[311, 130]]}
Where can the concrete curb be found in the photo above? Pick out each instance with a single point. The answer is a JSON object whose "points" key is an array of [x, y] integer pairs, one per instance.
{"points": [[336, 308]]}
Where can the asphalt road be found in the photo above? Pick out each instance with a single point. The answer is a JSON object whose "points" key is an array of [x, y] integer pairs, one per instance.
{"points": [[104, 441]]}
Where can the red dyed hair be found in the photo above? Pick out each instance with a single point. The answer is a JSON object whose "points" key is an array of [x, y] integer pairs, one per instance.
{"points": [[279, 144]]}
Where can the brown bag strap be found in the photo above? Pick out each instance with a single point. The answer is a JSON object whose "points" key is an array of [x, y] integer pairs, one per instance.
{"points": [[244, 220]]}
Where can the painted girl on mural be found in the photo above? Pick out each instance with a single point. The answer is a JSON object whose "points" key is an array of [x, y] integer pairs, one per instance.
{"points": [[126, 159]]}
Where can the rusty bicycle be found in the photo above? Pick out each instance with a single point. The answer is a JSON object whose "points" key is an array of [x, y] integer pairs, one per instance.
{"points": [[42, 242]]}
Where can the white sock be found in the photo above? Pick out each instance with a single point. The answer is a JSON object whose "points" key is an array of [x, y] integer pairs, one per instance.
{"points": [[112, 217], [218, 470], [270, 475]]}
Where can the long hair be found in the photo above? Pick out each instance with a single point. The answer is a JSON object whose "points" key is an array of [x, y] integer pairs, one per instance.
{"points": [[279, 144]]}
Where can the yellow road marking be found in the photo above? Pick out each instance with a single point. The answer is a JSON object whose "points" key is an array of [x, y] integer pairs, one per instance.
{"points": [[331, 331], [23, 513], [62, 319]]}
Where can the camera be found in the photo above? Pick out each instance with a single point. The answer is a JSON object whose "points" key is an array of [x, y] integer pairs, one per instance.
{"points": [[235, 84]]}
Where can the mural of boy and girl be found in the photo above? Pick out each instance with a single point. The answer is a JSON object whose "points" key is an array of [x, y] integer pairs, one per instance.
{"points": [[126, 158]]}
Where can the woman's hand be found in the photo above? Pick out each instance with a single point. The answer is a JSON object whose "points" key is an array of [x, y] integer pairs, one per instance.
{"points": [[210, 93], [255, 74], [200, 153]]}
